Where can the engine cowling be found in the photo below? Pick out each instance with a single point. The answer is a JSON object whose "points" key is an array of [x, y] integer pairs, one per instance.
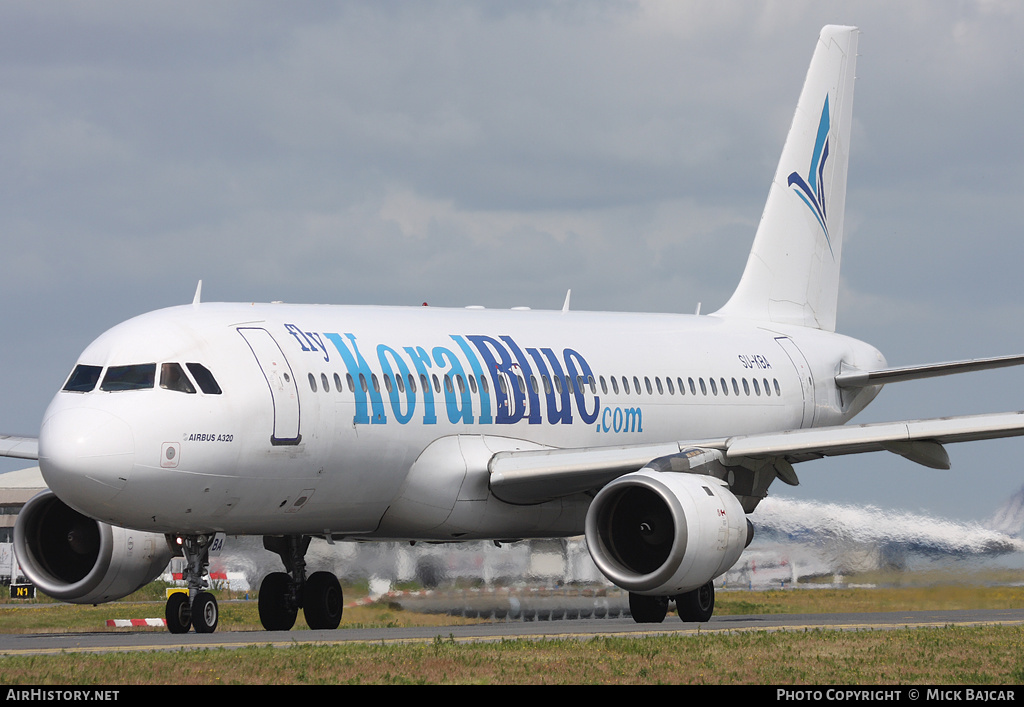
{"points": [[665, 533], [74, 558]]}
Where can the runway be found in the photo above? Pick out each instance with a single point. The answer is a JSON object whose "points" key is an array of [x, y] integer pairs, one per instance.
{"points": [[580, 629]]}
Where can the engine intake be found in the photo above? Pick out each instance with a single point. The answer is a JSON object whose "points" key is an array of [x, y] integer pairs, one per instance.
{"points": [[74, 558], [665, 533]]}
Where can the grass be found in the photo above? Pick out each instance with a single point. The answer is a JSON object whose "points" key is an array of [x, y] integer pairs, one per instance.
{"points": [[927, 656], [942, 656]]}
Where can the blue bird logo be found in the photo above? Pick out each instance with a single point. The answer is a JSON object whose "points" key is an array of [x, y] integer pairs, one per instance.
{"points": [[810, 190]]}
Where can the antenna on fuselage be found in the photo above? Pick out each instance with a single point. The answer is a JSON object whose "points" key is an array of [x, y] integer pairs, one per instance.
{"points": [[565, 305], [199, 291]]}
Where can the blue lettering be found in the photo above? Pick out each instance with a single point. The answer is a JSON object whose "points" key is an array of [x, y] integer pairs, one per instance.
{"points": [[511, 402], [422, 362], [581, 376], [524, 365], [357, 367], [402, 375], [474, 363], [457, 411], [297, 333], [559, 386]]}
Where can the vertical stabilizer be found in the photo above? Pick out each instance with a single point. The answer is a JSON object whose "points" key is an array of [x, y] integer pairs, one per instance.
{"points": [[792, 274]]}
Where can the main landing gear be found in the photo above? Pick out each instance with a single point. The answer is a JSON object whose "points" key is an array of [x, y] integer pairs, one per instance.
{"points": [[198, 608], [282, 594], [694, 606]]}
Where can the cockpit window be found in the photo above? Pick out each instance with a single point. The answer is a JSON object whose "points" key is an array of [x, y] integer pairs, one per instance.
{"points": [[172, 377], [135, 377], [204, 378], [83, 379]]}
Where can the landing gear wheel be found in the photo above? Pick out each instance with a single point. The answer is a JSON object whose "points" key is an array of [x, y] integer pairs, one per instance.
{"points": [[178, 613], [205, 614], [697, 605], [277, 610], [646, 609], [322, 601]]}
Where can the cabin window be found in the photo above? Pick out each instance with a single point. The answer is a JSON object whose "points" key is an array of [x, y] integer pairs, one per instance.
{"points": [[203, 378], [604, 385], [324, 384], [647, 383], [172, 377], [83, 379], [337, 383], [312, 382], [615, 385], [778, 390]]}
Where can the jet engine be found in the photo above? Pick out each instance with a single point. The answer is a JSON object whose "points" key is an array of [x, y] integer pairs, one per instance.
{"points": [[665, 533], [74, 558]]}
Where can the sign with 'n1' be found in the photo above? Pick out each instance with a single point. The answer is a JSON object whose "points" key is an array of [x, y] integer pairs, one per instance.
{"points": [[23, 591]]}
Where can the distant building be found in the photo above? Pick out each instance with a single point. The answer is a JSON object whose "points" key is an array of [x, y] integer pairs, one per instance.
{"points": [[16, 488]]}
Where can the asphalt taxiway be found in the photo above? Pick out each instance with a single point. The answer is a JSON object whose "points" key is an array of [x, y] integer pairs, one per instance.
{"points": [[579, 629]]}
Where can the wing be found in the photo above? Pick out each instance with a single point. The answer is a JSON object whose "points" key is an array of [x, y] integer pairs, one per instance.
{"points": [[538, 475], [19, 447]]}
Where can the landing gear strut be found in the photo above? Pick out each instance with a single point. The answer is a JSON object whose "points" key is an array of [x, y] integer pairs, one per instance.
{"points": [[198, 608], [282, 594]]}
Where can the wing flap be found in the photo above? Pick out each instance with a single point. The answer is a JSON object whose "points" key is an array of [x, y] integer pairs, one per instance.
{"points": [[797, 445]]}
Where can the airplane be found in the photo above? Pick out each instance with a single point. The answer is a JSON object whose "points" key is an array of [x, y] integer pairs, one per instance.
{"points": [[654, 435]]}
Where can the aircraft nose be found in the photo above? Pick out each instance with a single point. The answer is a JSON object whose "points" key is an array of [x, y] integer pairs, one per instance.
{"points": [[86, 455]]}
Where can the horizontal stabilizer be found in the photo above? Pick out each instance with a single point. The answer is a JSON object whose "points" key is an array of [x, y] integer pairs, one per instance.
{"points": [[860, 379]]}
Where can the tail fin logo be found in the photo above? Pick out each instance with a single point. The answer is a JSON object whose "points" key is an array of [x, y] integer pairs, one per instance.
{"points": [[811, 189]]}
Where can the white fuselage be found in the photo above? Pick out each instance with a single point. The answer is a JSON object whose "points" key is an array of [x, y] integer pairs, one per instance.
{"points": [[294, 444]]}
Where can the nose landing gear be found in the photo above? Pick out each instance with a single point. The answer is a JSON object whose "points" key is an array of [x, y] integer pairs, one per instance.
{"points": [[198, 608]]}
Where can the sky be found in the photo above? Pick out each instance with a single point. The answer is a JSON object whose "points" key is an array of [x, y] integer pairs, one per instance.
{"points": [[498, 154]]}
